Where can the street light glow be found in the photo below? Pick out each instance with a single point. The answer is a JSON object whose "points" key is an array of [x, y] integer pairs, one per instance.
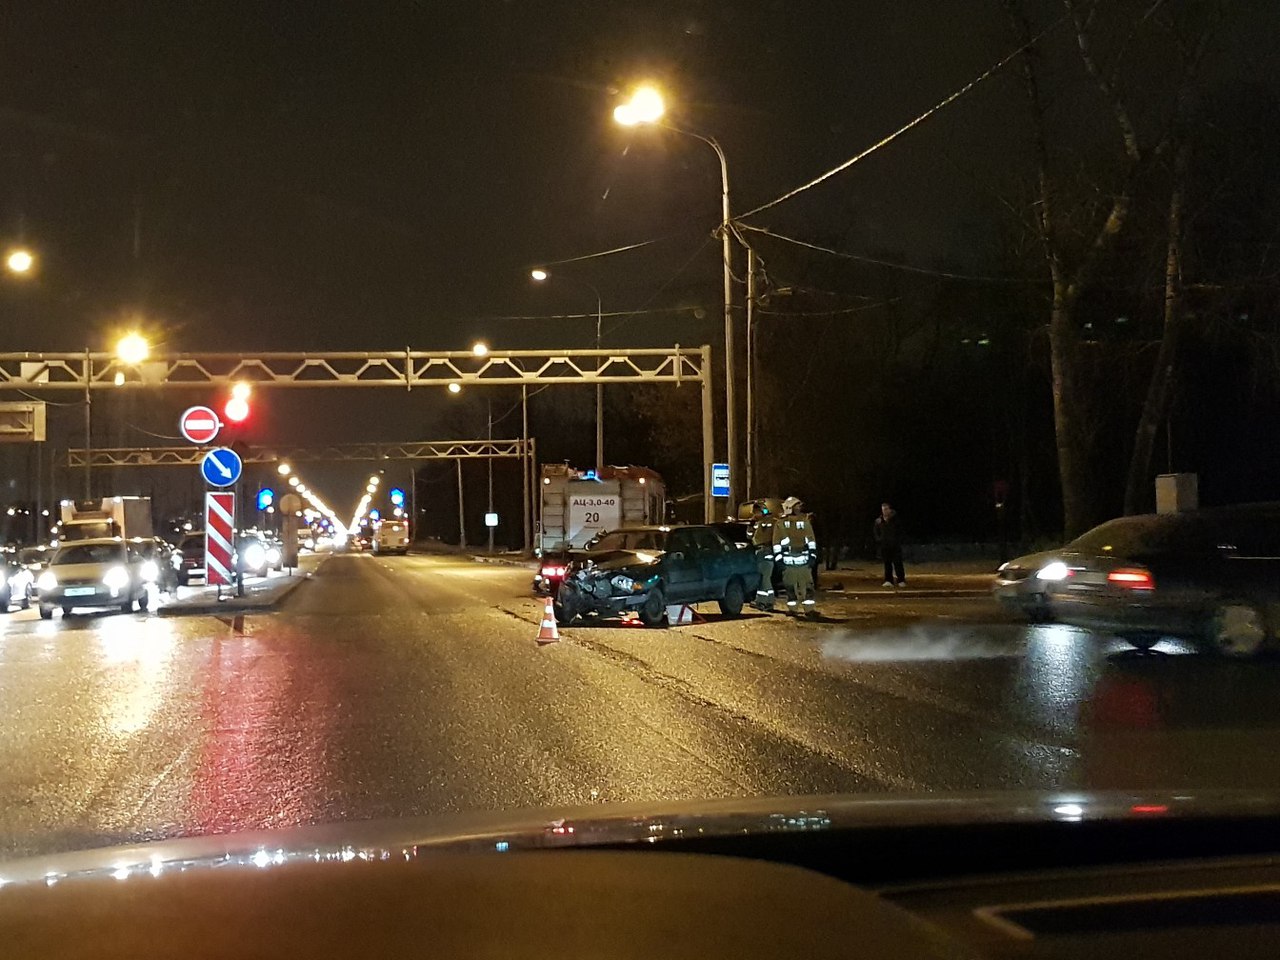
{"points": [[645, 106], [133, 348], [538, 275], [284, 469], [20, 261], [481, 349], [455, 388], [240, 390]]}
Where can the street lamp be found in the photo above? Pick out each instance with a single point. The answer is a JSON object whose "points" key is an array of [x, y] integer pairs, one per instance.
{"points": [[542, 276], [455, 388], [284, 470], [20, 261], [481, 349], [646, 106], [133, 348]]}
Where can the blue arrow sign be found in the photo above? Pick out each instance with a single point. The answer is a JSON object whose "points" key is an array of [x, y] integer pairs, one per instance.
{"points": [[221, 467]]}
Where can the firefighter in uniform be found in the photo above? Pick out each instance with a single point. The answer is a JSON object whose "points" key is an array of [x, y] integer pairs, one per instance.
{"points": [[795, 548], [763, 519]]}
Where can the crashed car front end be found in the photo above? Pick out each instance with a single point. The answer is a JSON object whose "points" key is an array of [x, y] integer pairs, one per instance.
{"points": [[609, 587]]}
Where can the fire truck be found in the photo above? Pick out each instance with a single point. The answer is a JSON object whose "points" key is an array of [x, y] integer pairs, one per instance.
{"points": [[579, 505]]}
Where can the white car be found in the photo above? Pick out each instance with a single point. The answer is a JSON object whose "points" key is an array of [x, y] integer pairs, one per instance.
{"points": [[95, 573]]}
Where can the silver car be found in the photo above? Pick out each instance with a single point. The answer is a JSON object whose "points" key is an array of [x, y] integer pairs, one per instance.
{"points": [[1023, 584], [95, 573]]}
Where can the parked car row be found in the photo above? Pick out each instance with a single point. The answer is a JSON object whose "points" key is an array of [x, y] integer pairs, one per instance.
{"points": [[1209, 576], [111, 572]]}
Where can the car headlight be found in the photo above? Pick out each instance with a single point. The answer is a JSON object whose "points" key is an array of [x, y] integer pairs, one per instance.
{"points": [[47, 581], [117, 578], [273, 556], [1057, 570], [150, 571], [175, 561], [623, 583], [254, 555]]}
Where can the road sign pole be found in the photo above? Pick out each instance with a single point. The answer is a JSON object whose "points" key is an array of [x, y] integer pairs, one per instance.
{"points": [[235, 533]]}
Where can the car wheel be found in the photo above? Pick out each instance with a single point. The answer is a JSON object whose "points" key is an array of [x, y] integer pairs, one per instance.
{"points": [[144, 601], [1237, 629], [5, 600], [731, 602], [653, 612], [1141, 641], [126, 607], [66, 611], [565, 612], [46, 613], [24, 603]]}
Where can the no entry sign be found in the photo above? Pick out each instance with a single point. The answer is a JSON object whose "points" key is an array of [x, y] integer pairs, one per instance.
{"points": [[219, 513], [199, 424]]}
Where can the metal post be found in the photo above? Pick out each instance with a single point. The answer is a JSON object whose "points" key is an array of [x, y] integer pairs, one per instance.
{"points": [[749, 489], [88, 425], [524, 469], [462, 514], [413, 504], [599, 399], [490, 462], [708, 438], [731, 410]]}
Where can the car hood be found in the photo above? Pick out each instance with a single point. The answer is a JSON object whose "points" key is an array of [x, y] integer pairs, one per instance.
{"points": [[621, 824], [83, 571], [614, 560]]}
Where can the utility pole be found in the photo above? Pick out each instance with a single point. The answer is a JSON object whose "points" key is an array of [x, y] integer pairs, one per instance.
{"points": [[490, 462], [462, 513], [751, 375]]}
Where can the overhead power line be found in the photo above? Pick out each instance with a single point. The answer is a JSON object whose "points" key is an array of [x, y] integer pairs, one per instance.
{"points": [[909, 268], [944, 102], [610, 252]]}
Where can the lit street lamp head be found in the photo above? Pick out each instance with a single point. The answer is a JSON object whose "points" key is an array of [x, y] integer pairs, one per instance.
{"points": [[539, 275], [645, 106], [133, 348], [19, 261], [455, 388], [481, 349]]}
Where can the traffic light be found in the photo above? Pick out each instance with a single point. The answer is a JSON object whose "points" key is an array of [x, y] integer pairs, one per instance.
{"points": [[266, 497], [397, 497], [236, 409]]}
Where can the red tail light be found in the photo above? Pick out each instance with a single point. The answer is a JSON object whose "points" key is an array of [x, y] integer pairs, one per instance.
{"points": [[553, 571], [1132, 578]]}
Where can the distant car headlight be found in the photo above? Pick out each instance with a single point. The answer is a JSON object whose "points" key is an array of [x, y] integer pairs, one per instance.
{"points": [[1053, 571], [175, 561], [255, 556], [150, 571], [273, 556], [1003, 567], [47, 581], [117, 578]]}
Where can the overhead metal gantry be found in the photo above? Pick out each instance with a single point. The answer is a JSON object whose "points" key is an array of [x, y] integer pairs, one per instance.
{"points": [[191, 455], [90, 373], [406, 368]]}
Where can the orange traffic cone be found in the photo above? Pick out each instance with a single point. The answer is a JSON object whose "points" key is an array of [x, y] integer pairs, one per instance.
{"points": [[548, 632]]}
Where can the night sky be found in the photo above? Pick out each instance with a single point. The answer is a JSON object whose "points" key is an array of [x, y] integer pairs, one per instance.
{"points": [[366, 176]]}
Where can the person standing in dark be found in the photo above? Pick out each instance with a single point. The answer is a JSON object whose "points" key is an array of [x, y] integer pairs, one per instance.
{"points": [[889, 542]]}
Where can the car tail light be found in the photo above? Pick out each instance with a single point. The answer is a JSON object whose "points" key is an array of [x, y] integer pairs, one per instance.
{"points": [[553, 571], [1132, 578]]}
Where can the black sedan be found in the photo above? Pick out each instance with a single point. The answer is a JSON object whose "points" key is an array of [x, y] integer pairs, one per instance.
{"points": [[1209, 576], [646, 568]]}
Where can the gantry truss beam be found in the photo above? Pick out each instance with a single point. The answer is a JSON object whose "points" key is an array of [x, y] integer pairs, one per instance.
{"points": [[192, 455], [401, 368]]}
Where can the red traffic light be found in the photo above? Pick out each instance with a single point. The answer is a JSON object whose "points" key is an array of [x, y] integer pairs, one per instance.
{"points": [[236, 410]]}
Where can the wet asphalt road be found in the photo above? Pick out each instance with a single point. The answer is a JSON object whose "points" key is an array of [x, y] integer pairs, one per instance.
{"points": [[413, 685]]}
